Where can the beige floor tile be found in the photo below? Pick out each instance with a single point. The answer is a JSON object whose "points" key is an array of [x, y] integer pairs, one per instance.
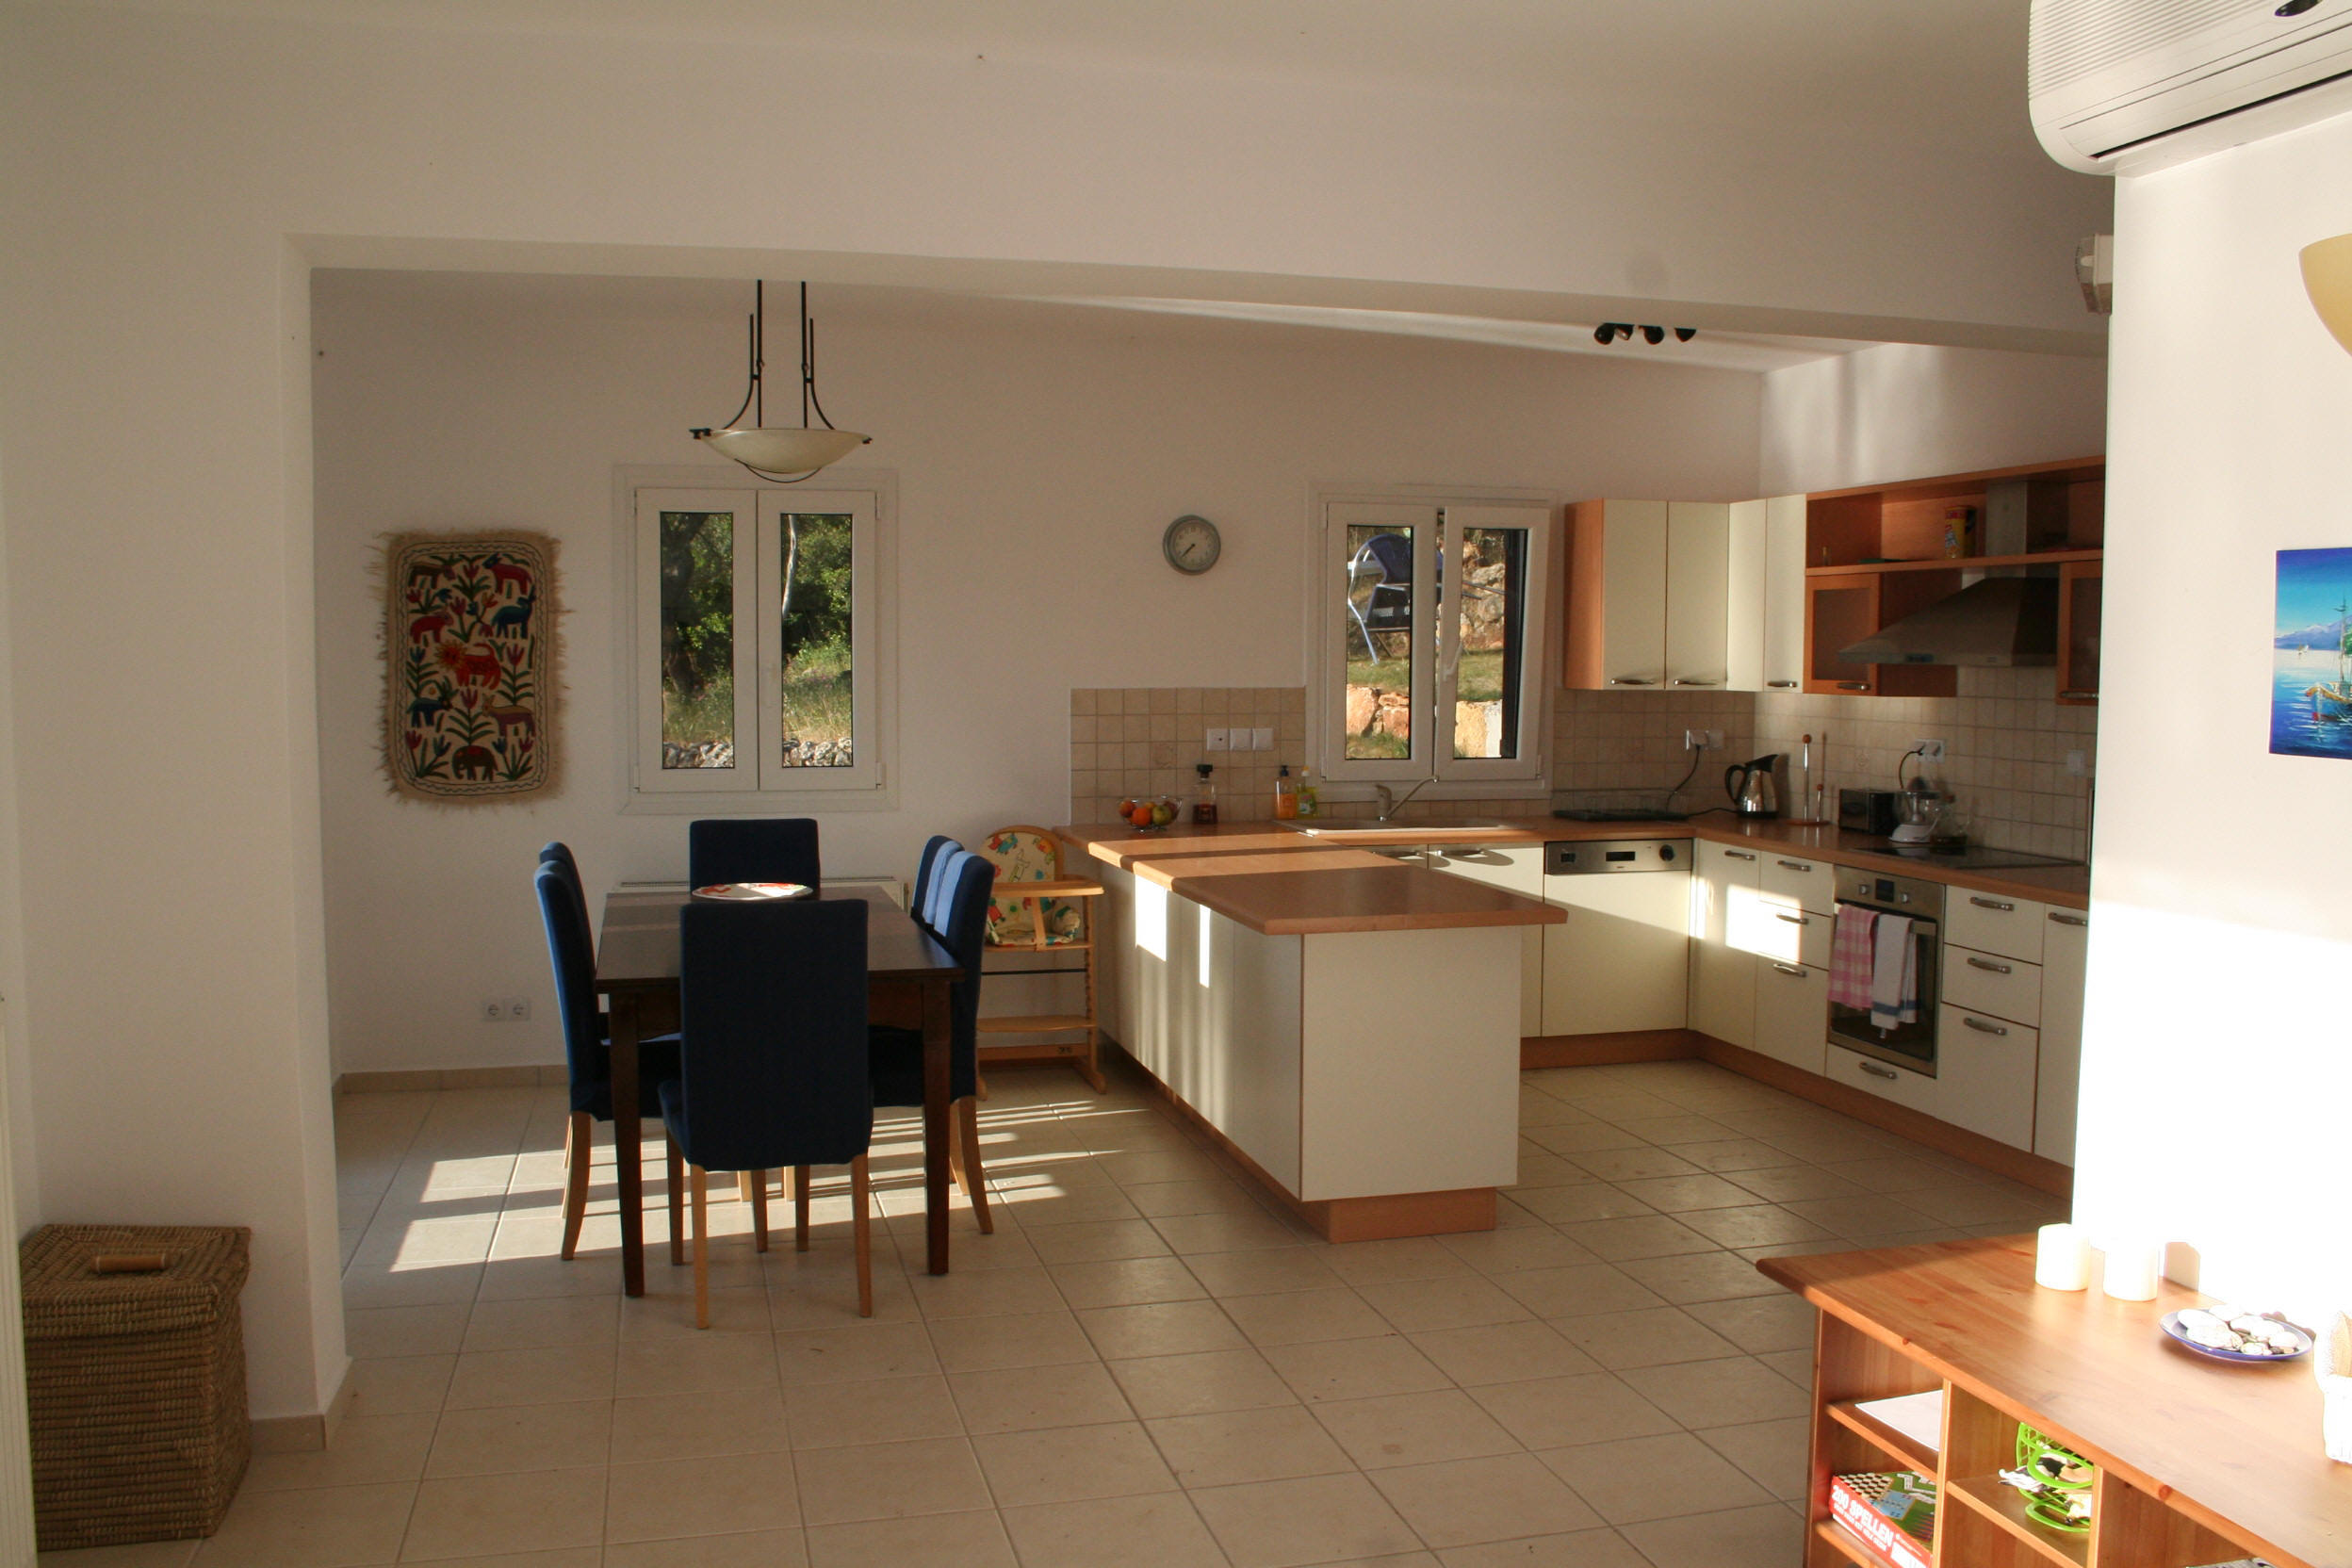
{"points": [[1632, 1165], [1371, 1263], [1756, 1225], [1040, 1207], [1649, 1336], [1713, 1276], [1653, 1236], [368, 1450], [1540, 1167], [1314, 1519], [480, 1515], [698, 1426], [1187, 1234], [1601, 1549], [1265, 1273], [543, 1323], [1029, 1399], [1795, 1366], [1577, 1291], [1728, 1393], [1147, 1167], [1460, 1301], [890, 1409], [704, 1363], [1583, 1136], [1354, 1368], [1160, 1386], [1072, 1464], [1761, 1323], [987, 1292], [1305, 1316], [530, 1376], [1511, 1251], [1160, 1329], [1889, 1172], [751, 1549], [1570, 1205], [1156, 1531], [147, 1554], [1766, 1537], [1100, 1242], [1636, 1478], [1550, 1412], [507, 1438], [412, 1287], [423, 1330], [666, 1311], [1125, 1282], [531, 1267], [1503, 1352], [1019, 1339], [399, 1384], [313, 1528], [1773, 1453], [1208, 1195], [1792, 1184], [1461, 1502], [563, 1557], [1732, 1154], [664, 1499], [975, 1540], [1673, 1130], [889, 1481], [1412, 1428], [1228, 1447], [826, 1297], [1683, 1194], [855, 1354]]}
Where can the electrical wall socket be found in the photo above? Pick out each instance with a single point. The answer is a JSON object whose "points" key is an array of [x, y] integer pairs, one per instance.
{"points": [[1217, 739], [2078, 764], [1702, 739], [1930, 751], [506, 1009], [1261, 738]]}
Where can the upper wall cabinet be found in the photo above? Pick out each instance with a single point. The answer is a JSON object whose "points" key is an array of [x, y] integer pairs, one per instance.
{"points": [[1647, 585], [1765, 613]]}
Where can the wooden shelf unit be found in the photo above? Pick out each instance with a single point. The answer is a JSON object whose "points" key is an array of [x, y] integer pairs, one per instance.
{"points": [[2195, 1463]]}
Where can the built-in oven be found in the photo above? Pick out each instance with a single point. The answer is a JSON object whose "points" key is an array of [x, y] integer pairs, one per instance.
{"points": [[1909, 1045]]}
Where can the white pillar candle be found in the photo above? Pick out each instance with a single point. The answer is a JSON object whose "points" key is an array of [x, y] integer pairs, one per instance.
{"points": [[2061, 1259], [2132, 1269]]}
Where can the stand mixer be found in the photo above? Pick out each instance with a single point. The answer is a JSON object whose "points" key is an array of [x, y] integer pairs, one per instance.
{"points": [[1918, 807]]}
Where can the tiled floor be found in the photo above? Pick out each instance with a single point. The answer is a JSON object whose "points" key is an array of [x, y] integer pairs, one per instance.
{"points": [[1144, 1364]]}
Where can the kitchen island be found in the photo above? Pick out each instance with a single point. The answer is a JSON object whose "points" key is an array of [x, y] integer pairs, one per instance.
{"points": [[1345, 1025]]}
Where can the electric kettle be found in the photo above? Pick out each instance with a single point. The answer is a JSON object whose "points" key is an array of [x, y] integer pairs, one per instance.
{"points": [[1750, 786]]}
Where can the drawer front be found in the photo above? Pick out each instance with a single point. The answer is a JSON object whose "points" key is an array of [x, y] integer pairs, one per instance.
{"points": [[1987, 1067], [1794, 936], [1869, 1074], [1800, 884], [1739, 865], [1989, 983], [1792, 1013], [1993, 923]]}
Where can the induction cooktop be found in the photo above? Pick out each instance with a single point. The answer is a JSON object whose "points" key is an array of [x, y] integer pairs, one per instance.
{"points": [[1974, 858]]}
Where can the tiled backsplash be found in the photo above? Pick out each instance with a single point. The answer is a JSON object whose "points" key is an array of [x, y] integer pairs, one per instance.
{"points": [[1145, 740], [1633, 740]]}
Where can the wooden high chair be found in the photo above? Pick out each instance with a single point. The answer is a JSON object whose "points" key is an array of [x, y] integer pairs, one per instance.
{"points": [[1046, 915]]}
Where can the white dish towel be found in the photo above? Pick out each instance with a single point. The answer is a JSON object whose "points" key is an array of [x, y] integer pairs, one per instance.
{"points": [[1894, 973]]}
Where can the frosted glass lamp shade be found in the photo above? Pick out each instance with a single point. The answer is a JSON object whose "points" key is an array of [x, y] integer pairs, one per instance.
{"points": [[784, 450], [2328, 278]]}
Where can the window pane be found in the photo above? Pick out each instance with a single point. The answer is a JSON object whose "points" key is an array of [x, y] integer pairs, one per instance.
{"points": [[1380, 648], [815, 702], [697, 640], [1491, 629]]}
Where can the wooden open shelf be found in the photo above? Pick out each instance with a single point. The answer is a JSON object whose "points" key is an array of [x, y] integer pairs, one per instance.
{"points": [[1898, 1446], [1963, 564], [2005, 1508]]}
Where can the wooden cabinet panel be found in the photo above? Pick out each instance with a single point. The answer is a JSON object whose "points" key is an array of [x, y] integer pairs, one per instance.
{"points": [[1792, 1013], [1698, 566], [2079, 589], [1987, 1068], [2065, 944], [1617, 595], [1839, 610]]}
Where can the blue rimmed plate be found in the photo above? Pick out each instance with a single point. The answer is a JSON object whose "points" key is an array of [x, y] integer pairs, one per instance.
{"points": [[2302, 1347]]}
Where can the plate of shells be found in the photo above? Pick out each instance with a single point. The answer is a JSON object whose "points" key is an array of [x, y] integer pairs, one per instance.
{"points": [[2237, 1334]]}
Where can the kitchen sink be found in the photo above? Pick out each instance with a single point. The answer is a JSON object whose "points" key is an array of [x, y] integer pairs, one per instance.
{"points": [[1413, 832]]}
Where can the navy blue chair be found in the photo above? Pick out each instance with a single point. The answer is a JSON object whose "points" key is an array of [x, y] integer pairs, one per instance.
{"points": [[555, 852], [925, 870], [752, 849], [960, 887], [773, 1070], [571, 951]]}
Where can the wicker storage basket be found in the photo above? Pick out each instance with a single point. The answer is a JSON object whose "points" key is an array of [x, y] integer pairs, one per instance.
{"points": [[137, 1383]]}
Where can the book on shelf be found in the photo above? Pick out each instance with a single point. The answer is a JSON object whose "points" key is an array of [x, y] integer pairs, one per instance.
{"points": [[1918, 1417], [1892, 1512]]}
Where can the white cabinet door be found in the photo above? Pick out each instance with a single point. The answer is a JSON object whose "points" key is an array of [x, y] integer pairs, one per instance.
{"points": [[1993, 923], [1986, 1067], [1698, 567], [2065, 941], [1904, 1087], [1518, 869], [1623, 961], [1783, 593], [1633, 594], [1748, 525], [1724, 899], [1792, 1013]]}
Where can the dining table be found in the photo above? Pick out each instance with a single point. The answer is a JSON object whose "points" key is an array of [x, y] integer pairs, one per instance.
{"points": [[909, 979]]}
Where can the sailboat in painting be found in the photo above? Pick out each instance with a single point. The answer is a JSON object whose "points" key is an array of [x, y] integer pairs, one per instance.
{"points": [[2311, 708], [2331, 701]]}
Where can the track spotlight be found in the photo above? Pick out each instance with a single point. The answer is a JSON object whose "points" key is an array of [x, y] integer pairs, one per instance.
{"points": [[1684, 335], [1654, 334], [1605, 335]]}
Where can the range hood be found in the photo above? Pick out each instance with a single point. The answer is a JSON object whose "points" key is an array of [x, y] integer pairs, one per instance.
{"points": [[1996, 624]]}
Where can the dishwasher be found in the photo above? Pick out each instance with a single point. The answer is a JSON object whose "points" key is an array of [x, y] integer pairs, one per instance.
{"points": [[1623, 961]]}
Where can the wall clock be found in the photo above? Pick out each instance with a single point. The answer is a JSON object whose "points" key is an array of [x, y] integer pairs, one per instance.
{"points": [[1191, 543]]}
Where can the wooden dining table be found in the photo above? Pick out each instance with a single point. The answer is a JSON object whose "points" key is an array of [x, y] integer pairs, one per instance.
{"points": [[908, 977]]}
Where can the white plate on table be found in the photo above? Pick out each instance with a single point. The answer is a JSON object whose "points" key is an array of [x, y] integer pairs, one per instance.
{"points": [[2299, 1342], [753, 892]]}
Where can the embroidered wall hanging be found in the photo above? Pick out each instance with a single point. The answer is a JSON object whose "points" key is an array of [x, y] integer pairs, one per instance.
{"points": [[469, 665]]}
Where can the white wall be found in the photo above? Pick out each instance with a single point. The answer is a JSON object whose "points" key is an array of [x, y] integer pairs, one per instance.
{"points": [[1039, 453], [2216, 1040], [1911, 410]]}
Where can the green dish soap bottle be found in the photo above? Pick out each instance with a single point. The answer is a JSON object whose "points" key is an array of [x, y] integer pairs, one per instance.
{"points": [[1307, 806]]}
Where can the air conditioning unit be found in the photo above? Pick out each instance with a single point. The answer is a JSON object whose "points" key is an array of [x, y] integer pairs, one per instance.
{"points": [[2127, 85]]}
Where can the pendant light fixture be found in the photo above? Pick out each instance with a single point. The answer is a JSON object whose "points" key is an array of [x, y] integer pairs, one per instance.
{"points": [[783, 453], [2328, 279]]}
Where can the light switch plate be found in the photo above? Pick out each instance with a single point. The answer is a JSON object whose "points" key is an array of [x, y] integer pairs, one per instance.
{"points": [[1261, 738], [1217, 739]]}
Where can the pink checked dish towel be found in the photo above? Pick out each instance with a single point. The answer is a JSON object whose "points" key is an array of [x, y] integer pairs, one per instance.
{"points": [[1853, 955], [1894, 973]]}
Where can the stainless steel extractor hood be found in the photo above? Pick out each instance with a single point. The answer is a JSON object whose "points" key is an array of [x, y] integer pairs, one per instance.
{"points": [[1997, 623]]}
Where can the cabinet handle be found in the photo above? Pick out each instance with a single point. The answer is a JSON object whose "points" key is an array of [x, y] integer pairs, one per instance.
{"points": [[2078, 694], [1992, 903], [1794, 865], [1987, 963], [1853, 685], [1630, 680], [1680, 681], [1789, 968], [1980, 1026], [1782, 685], [1793, 919], [2064, 919], [1739, 855], [1877, 1071]]}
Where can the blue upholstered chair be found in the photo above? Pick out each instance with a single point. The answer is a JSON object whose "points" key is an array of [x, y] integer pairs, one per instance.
{"points": [[555, 852], [927, 870], [752, 849], [959, 893], [571, 951], [773, 1070]]}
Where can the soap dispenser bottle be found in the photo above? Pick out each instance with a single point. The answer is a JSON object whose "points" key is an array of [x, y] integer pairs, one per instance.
{"points": [[1204, 804], [1285, 794]]}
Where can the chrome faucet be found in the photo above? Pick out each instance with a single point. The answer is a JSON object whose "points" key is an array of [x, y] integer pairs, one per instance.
{"points": [[1390, 805]]}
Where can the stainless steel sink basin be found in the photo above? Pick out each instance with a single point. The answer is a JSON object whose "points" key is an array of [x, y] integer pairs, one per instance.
{"points": [[1411, 833]]}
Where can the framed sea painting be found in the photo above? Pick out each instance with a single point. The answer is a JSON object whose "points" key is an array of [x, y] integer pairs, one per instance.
{"points": [[2311, 686]]}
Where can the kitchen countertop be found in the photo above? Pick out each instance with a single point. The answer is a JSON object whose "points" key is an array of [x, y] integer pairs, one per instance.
{"points": [[1299, 889], [1125, 847]]}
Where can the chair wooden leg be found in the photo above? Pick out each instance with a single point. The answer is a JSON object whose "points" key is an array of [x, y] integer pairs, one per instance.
{"points": [[758, 1209], [800, 1208], [580, 1142], [966, 1147], [858, 1196], [702, 1247], [677, 1201], [1090, 1062]]}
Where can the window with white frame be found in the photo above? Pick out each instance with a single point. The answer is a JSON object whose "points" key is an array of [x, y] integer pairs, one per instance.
{"points": [[1433, 640], [758, 641]]}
